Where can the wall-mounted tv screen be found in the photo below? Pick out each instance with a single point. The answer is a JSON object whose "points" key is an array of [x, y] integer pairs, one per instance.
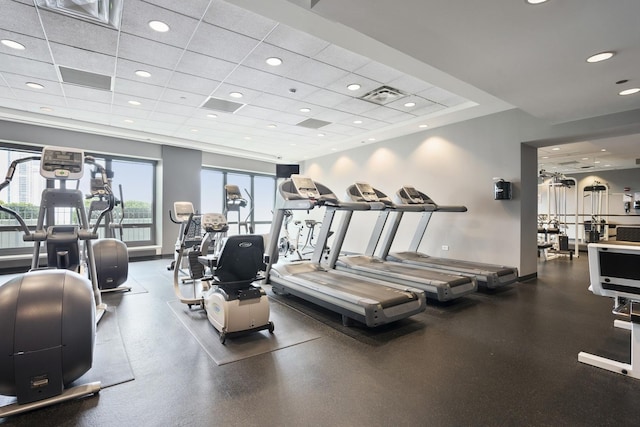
{"points": [[285, 171]]}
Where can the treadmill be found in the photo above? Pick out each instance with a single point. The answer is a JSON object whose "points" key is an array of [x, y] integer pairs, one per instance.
{"points": [[488, 275], [372, 302], [437, 284]]}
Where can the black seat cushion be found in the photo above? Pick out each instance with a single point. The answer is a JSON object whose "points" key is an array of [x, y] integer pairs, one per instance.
{"points": [[241, 258]]}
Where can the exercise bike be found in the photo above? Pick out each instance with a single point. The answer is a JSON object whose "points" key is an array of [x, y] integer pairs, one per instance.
{"points": [[48, 315], [189, 236], [234, 304]]}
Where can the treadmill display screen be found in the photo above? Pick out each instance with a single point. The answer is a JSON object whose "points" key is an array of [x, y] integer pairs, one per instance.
{"points": [[367, 192], [305, 186], [414, 195]]}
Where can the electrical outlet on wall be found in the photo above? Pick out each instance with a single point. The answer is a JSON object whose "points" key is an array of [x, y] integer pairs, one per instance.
{"points": [[445, 247]]}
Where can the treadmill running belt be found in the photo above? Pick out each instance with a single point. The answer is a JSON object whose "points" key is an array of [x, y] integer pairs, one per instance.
{"points": [[386, 296]]}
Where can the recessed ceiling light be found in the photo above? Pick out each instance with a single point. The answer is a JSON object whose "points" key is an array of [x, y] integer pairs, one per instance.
{"points": [[212, 116], [12, 44], [272, 126], [305, 110], [159, 26], [33, 85], [410, 104], [46, 109], [142, 73], [602, 56], [194, 130], [423, 126], [585, 158], [597, 161], [629, 91], [273, 61], [247, 138], [353, 86], [372, 139], [555, 149], [545, 157], [606, 166], [603, 149], [535, 1], [128, 121], [134, 102], [334, 149], [357, 122], [236, 95], [321, 134]]}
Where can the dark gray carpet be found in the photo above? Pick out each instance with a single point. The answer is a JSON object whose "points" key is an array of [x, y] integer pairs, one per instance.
{"points": [[110, 361], [291, 328]]}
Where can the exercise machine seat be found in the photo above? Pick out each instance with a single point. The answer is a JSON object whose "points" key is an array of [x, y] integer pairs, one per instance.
{"points": [[47, 332], [240, 261]]}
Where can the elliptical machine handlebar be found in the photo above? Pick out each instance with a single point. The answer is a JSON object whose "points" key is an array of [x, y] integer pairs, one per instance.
{"points": [[108, 194], [5, 183]]}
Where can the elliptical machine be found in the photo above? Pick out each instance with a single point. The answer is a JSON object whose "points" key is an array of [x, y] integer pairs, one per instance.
{"points": [[48, 316], [234, 304]]}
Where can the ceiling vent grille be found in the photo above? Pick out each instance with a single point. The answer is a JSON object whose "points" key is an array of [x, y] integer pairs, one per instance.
{"points": [[313, 123], [105, 12], [570, 162], [383, 95], [222, 105], [85, 78]]}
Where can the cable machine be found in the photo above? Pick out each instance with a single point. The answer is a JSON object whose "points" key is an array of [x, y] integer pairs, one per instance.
{"points": [[557, 219], [596, 228]]}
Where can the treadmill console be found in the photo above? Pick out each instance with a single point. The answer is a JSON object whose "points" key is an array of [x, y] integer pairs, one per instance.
{"points": [[214, 222], [61, 163], [305, 186], [413, 195], [367, 192], [613, 269]]}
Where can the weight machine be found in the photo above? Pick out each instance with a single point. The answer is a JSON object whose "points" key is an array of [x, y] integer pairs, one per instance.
{"points": [[555, 223]]}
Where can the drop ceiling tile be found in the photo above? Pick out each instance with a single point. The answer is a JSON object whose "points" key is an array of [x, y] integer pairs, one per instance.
{"points": [[341, 129], [237, 19], [316, 73], [283, 87], [429, 109], [130, 112], [326, 98], [256, 112], [192, 84], [137, 14], [225, 89], [410, 84], [11, 103], [150, 52], [191, 8], [441, 96], [160, 116], [87, 94], [378, 72], [82, 34], [136, 89], [204, 66], [96, 107], [183, 98], [180, 110], [296, 41], [290, 60], [389, 115], [39, 98], [355, 106], [83, 59], [17, 81], [251, 78], [220, 43], [121, 99], [332, 115], [88, 117], [341, 58], [20, 18], [273, 102], [28, 67], [35, 48], [340, 85], [127, 69], [156, 126]]}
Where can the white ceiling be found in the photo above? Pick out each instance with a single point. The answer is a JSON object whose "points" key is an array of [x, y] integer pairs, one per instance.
{"points": [[472, 59]]}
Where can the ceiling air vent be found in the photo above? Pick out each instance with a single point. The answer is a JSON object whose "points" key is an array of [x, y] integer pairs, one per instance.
{"points": [[313, 123], [383, 95], [85, 78], [586, 167], [223, 105], [570, 162]]}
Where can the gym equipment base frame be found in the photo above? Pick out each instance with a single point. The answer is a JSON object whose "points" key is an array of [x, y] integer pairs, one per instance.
{"points": [[68, 394]]}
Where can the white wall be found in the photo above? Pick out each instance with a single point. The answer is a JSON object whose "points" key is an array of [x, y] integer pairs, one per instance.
{"points": [[454, 165]]}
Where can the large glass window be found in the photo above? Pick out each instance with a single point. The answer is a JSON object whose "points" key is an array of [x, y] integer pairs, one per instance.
{"points": [[135, 177], [257, 190]]}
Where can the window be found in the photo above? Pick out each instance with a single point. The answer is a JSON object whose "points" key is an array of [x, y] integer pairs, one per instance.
{"points": [[137, 178], [257, 190]]}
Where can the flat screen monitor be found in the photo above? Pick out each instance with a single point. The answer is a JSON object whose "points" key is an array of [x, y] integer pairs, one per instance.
{"points": [[285, 171]]}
